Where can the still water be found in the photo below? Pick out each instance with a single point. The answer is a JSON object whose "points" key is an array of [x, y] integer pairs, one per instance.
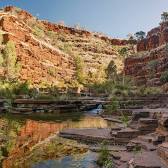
{"points": [[37, 128], [86, 160]]}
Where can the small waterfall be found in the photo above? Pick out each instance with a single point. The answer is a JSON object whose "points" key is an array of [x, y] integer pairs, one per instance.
{"points": [[97, 110]]}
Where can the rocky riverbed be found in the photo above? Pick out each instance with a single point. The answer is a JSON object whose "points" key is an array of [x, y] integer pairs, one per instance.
{"points": [[68, 138], [144, 141]]}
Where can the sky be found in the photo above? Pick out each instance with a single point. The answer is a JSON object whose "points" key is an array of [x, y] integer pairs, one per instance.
{"points": [[116, 18]]}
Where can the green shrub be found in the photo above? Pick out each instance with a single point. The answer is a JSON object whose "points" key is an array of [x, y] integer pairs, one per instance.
{"points": [[144, 90], [108, 163], [111, 71], [12, 67], [164, 77], [22, 88], [79, 69], [124, 119], [103, 159], [38, 31], [51, 34], [42, 96], [113, 106]]}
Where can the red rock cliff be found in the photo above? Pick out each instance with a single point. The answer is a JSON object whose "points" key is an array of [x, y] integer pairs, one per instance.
{"points": [[46, 51], [156, 37]]}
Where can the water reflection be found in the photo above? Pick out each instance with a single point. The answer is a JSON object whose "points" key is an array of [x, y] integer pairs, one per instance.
{"points": [[34, 131], [86, 160], [39, 130]]}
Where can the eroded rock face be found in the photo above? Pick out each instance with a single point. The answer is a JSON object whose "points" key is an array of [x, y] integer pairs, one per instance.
{"points": [[141, 69], [151, 49], [41, 48], [35, 56], [156, 37]]}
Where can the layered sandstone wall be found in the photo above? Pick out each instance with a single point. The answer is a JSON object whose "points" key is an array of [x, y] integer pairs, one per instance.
{"points": [[40, 62], [151, 50], [46, 51], [84, 33], [155, 38], [139, 67]]}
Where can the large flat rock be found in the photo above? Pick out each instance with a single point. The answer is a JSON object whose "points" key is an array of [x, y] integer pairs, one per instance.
{"points": [[90, 135]]}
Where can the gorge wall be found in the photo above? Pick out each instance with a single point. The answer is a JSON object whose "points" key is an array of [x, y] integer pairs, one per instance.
{"points": [[151, 60], [46, 52]]}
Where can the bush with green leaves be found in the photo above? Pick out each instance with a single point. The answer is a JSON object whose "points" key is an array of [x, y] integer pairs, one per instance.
{"points": [[42, 96], [104, 157], [144, 90], [124, 119], [140, 35], [111, 70], [22, 88], [113, 106], [38, 31], [113, 88], [164, 77], [79, 69], [164, 16], [12, 67]]}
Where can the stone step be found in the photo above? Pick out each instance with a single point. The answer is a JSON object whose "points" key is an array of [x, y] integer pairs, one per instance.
{"points": [[140, 144], [127, 133], [149, 121], [124, 135], [153, 138], [137, 114], [147, 125]]}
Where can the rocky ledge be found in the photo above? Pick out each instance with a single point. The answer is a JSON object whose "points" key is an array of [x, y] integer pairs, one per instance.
{"points": [[144, 141]]}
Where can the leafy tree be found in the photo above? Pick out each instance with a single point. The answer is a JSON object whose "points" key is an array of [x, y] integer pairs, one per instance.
{"points": [[111, 70], [140, 35], [124, 53], [164, 16], [79, 69], [103, 159], [10, 61]]}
